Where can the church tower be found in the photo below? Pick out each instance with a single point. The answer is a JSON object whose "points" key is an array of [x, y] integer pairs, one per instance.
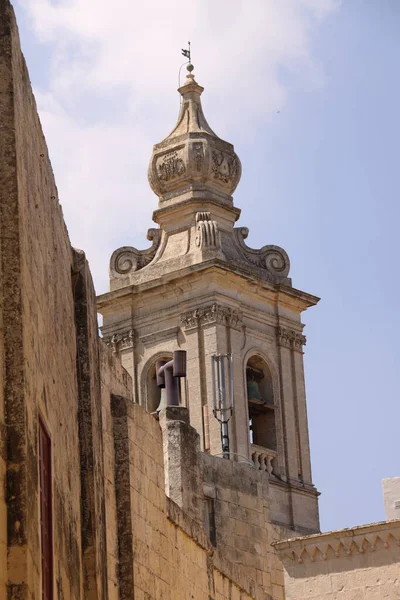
{"points": [[201, 289]]}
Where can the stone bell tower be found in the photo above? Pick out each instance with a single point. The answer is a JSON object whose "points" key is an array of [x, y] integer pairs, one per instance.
{"points": [[200, 288]]}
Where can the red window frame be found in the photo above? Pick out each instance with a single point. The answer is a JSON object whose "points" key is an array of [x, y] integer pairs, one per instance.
{"points": [[46, 509]]}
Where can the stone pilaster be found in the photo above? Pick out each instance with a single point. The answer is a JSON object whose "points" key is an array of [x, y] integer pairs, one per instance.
{"points": [[302, 417]]}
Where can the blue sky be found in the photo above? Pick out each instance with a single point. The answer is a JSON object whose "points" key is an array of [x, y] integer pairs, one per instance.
{"points": [[320, 177]]}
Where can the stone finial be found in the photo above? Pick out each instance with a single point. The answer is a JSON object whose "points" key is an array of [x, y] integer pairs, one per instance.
{"points": [[193, 158]]}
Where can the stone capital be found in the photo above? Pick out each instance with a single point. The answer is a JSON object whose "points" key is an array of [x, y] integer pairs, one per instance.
{"points": [[121, 341], [213, 313], [289, 338]]}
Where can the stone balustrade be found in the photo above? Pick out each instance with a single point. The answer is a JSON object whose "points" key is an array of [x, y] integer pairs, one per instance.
{"points": [[263, 458]]}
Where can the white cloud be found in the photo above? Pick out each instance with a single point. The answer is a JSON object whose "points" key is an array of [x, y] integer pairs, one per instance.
{"points": [[112, 93]]}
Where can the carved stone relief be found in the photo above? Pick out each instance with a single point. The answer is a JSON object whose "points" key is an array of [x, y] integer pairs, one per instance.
{"points": [[288, 338], [198, 157], [207, 232], [225, 167], [121, 341], [271, 258], [128, 259], [171, 166], [214, 313]]}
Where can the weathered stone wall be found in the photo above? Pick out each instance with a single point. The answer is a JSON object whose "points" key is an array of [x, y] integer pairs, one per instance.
{"points": [[49, 361], [39, 334], [163, 552], [114, 380], [350, 564], [242, 517]]}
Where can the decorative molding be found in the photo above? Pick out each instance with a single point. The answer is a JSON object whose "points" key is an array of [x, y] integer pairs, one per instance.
{"points": [[207, 232], [128, 259], [151, 339], [289, 338], [271, 258], [225, 167], [214, 313], [344, 543], [120, 341], [171, 166]]}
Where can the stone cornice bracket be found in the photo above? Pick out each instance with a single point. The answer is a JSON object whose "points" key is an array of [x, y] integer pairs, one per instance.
{"points": [[120, 341], [271, 258], [207, 232], [289, 338], [214, 313], [127, 259]]}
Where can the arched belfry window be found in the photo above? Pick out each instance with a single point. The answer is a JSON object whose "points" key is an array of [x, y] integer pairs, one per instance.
{"points": [[154, 394], [260, 398]]}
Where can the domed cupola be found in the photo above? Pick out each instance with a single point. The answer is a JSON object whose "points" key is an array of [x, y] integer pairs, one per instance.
{"points": [[193, 162]]}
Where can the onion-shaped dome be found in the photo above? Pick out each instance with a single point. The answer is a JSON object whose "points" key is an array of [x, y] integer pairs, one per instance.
{"points": [[193, 161]]}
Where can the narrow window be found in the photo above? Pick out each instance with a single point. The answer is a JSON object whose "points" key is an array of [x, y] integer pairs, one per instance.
{"points": [[46, 520]]}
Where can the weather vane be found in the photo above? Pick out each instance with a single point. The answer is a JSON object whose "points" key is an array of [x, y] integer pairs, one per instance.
{"points": [[188, 55]]}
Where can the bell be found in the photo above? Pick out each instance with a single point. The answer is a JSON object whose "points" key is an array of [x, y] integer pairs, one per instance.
{"points": [[253, 392], [163, 400]]}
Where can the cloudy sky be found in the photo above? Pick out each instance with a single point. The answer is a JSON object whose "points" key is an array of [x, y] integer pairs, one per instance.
{"points": [[308, 92]]}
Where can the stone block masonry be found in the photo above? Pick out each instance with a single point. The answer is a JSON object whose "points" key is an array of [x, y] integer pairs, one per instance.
{"points": [[115, 533]]}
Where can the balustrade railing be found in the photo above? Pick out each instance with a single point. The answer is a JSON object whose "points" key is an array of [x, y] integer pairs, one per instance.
{"points": [[263, 459]]}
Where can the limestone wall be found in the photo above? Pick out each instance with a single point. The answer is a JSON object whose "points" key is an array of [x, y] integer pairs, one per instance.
{"points": [[163, 552], [49, 361], [242, 513], [38, 307], [350, 564]]}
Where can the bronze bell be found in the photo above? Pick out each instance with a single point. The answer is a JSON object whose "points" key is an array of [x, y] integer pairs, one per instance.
{"points": [[253, 391]]}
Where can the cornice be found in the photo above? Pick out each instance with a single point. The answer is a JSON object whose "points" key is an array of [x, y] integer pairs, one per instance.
{"points": [[340, 543], [286, 295]]}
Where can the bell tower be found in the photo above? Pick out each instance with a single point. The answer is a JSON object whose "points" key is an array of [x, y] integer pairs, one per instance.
{"points": [[201, 289]]}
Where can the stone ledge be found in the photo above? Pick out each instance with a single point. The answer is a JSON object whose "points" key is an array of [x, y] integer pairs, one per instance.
{"points": [[339, 543]]}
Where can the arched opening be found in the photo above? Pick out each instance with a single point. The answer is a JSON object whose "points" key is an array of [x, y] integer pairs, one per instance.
{"points": [[153, 393], [260, 398]]}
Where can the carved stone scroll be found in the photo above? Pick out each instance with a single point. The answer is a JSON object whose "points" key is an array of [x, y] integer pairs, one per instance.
{"points": [[128, 259], [271, 258]]}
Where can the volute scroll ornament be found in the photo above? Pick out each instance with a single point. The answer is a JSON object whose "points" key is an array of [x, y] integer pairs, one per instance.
{"points": [[271, 258], [128, 259]]}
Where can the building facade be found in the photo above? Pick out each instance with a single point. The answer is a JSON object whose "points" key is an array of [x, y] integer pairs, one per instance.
{"points": [[106, 493]]}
